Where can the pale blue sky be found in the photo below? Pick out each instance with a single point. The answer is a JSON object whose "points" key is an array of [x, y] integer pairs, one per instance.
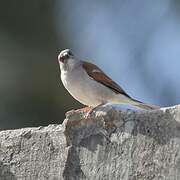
{"points": [[136, 42]]}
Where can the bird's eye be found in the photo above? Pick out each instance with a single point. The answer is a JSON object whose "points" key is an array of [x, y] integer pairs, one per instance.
{"points": [[70, 53]]}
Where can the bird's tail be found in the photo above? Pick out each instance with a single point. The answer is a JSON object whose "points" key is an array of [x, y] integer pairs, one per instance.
{"points": [[122, 99], [142, 105]]}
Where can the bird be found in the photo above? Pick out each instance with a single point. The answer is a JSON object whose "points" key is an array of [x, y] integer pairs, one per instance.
{"points": [[89, 85]]}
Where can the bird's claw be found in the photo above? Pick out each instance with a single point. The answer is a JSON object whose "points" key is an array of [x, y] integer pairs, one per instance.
{"points": [[88, 114]]}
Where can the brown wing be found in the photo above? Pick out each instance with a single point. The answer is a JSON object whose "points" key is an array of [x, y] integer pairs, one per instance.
{"points": [[97, 74]]}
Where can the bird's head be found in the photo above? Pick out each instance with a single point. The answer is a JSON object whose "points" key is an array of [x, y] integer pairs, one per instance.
{"points": [[67, 60]]}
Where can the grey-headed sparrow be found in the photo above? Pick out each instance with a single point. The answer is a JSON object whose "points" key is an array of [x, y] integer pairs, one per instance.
{"points": [[90, 85]]}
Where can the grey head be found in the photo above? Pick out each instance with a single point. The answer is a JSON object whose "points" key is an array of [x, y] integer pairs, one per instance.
{"points": [[67, 60]]}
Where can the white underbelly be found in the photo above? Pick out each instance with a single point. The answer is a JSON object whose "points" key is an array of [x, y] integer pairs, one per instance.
{"points": [[86, 90]]}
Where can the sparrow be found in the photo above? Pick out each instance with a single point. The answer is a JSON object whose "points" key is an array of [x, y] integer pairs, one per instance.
{"points": [[88, 84]]}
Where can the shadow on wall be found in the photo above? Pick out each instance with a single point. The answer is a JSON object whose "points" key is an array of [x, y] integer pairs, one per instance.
{"points": [[5, 172], [72, 168]]}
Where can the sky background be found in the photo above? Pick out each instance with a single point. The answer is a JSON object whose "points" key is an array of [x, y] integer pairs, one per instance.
{"points": [[137, 43]]}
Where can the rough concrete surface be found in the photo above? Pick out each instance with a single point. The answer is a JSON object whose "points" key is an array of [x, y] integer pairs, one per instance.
{"points": [[110, 145]]}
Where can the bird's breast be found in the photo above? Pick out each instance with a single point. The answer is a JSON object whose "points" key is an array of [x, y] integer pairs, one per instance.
{"points": [[82, 87]]}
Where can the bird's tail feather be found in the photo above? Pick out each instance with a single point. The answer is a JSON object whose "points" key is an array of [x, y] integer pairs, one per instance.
{"points": [[133, 102], [142, 105]]}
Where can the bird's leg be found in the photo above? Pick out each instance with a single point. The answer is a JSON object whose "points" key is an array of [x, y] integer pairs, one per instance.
{"points": [[92, 109], [85, 109]]}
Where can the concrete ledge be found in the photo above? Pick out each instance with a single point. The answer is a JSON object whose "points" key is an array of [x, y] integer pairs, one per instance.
{"points": [[112, 144]]}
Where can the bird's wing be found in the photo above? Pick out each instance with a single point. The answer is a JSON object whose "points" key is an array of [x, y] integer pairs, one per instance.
{"points": [[98, 75]]}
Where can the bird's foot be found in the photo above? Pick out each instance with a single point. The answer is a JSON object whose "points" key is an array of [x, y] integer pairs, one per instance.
{"points": [[84, 109], [88, 113], [91, 109]]}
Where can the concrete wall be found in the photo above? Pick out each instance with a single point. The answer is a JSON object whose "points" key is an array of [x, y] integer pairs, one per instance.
{"points": [[111, 145]]}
